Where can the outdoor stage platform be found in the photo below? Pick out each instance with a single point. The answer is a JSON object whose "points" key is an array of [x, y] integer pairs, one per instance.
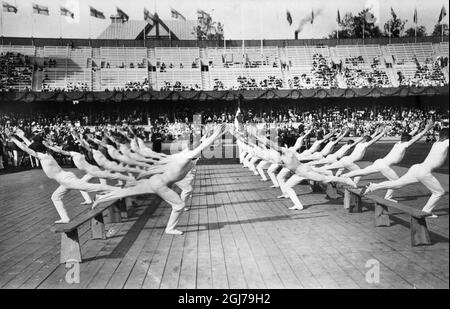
{"points": [[238, 235]]}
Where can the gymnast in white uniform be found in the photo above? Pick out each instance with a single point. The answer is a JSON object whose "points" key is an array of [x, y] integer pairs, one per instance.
{"points": [[91, 171], [67, 180], [348, 162], [395, 156], [422, 173], [174, 169], [303, 172]]}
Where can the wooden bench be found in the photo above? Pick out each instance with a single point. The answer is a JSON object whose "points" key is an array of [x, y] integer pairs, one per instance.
{"points": [[418, 225], [70, 243], [330, 189]]}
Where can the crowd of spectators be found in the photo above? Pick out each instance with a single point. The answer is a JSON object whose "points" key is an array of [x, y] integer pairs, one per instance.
{"points": [[357, 74], [248, 83], [163, 67], [164, 128], [322, 75], [16, 72], [138, 86], [70, 87], [178, 86], [426, 75]]}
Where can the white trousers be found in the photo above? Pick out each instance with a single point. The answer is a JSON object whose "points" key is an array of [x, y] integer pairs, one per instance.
{"points": [[417, 173], [379, 166]]}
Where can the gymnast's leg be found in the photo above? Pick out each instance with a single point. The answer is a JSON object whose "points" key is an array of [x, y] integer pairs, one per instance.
{"points": [[289, 185], [271, 172], [84, 194]]}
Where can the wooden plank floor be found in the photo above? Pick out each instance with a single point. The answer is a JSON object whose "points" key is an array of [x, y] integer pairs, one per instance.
{"points": [[238, 235]]}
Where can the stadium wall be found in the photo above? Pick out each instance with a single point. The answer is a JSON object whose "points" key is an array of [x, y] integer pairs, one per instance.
{"points": [[146, 96], [39, 42]]}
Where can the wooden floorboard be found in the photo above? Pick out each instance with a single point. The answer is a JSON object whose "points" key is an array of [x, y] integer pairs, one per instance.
{"points": [[237, 235]]}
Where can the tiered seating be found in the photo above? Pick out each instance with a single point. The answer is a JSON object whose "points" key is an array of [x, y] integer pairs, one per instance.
{"points": [[268, 56], [118, 78], [186, 79], [301, 57], [405, 56], [309, 67], [225, 57], [415, 65], [123, 57], [245, 78], [444, 49], [363, 66], [16, 72], [67, 69], [23, 50], [177, 57]]}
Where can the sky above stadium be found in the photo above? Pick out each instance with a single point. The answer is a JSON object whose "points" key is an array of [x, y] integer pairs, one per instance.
{"points": [[243, 19]]}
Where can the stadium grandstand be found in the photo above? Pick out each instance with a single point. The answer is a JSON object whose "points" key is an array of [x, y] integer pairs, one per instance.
{"points": [[163, 55], [155, 152], [179, 68]]}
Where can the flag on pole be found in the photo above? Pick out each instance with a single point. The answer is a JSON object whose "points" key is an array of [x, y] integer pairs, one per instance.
{"points": [[9, 8], [442, 14], [148, 17], [122, 15], [338, 18], [66, 12], [312, 17], [40, 9], [415, 16], [175, 14], [394, 16], [96, 13], [289, 17]]}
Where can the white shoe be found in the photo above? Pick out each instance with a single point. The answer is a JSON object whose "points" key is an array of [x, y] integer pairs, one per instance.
{"points": [[86, 203], [295, 207], [63, 221], [433, 216], [391, 200], [174, 232]]}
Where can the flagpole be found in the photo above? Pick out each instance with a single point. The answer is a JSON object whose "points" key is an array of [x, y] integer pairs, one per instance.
{"points": [[363, 29], [261, 28], [1, 23], [60, 26], [337, 32], [390, 31], [415, 33]]}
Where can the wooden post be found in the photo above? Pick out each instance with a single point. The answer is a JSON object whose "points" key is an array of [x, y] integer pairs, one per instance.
{"points": [[352, 202], [332, 192], [70, 247], [315, 186], [381, 215], [114, 214], [98, 227], [356, 204], [419, 232]]}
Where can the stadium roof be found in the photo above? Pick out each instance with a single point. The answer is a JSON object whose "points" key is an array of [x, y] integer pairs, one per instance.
{"points": [[132, 29]]}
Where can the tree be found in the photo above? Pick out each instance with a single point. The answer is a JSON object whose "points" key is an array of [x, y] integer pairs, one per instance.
{"points": [[345, 28], [395, 26], [365, 19], [207, 29], [437, 30], [421, 31], [352, 26]]}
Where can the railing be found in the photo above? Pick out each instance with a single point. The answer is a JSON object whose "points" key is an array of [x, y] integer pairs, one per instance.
{"points": [[228, 43]]}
